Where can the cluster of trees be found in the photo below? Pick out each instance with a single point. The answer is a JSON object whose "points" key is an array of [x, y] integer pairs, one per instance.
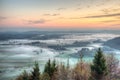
{"points": [[102, 68]]}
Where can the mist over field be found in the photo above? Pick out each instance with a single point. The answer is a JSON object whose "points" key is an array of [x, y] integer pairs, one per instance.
{"points": [[19, 50]]}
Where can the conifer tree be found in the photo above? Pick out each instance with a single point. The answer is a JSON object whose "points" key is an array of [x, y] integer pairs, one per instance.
{"points": [[45, 76], [99, 67], [25, 75], [36, 72], [68, 64], [50, 67], [53, 67]]}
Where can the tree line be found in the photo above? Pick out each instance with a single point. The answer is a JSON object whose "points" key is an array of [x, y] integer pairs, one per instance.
{"points": [[103, 67]]}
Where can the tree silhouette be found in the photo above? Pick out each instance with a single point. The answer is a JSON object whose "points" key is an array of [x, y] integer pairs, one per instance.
{"points": [[50, 68], [99, 67], [36, 72]]}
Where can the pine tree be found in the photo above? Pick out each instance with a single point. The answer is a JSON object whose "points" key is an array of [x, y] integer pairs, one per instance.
{"points": [[25, 75], [68, 64], [53, 67], [36, 72], [45, 76], [50, 68], [99, 67]]}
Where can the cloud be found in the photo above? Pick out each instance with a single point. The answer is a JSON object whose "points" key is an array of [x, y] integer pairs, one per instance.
{"points": [[47, 14], [61, 18], [78, 4], [110, 21], [116, 25], [61, 9], [110, 10], [70, 18], [55, 14], [51, 14], [2, 18], [117, 9], [41, 21], [105, 11], [118, 17], [88, 6], [78, 8], [75, 18], [106, 15]]}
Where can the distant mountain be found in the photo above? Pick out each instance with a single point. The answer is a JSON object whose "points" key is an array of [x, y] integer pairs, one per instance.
{"points": [[114, 43], [32, 35]]}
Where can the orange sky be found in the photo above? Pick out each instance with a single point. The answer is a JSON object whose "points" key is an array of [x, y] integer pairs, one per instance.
{"points": [[61, 13]]}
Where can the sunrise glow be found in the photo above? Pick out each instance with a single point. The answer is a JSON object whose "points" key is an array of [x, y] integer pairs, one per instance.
{"points": [[60, 13]]}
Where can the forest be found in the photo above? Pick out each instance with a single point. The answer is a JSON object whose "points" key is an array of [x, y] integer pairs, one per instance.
{"points": [[103, 67]]}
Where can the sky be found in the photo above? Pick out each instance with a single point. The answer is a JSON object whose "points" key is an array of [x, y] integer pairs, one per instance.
{"points": [[65, 14]]}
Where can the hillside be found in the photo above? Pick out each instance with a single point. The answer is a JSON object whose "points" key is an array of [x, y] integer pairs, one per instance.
{"points": [[114, 43]]}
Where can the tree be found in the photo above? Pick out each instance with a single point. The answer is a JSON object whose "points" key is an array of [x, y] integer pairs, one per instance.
{"points": [[50, 68], [68, 64], [81, 70], [36, 72], [99, 67], [47, 67], [45, 76], [53, 67], [23, 76], [62, 72], [113, 67]]}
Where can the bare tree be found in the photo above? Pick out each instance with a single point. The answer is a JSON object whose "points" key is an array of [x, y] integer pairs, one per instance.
{"points": [[81, 70], [113, 67]]}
